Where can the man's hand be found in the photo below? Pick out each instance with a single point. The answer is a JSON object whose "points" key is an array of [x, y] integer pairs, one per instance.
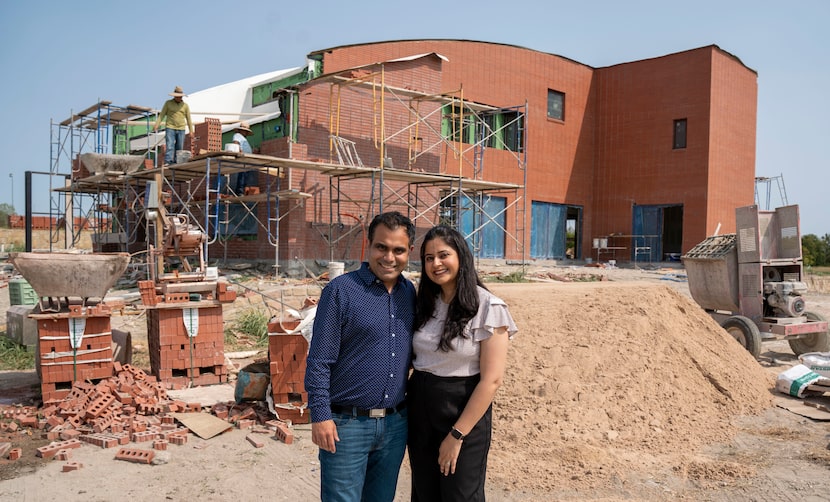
{"points": [[324, 435]]}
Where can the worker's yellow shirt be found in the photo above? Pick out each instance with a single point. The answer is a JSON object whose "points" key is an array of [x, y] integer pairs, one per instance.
{"points": [[177, 114]]}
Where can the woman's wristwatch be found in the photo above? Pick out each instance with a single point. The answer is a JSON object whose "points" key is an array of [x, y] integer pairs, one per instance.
{"points": [[457, 434]]}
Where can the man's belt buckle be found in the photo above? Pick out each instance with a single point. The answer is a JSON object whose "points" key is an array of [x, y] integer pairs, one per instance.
{"points": [[377, 413]]}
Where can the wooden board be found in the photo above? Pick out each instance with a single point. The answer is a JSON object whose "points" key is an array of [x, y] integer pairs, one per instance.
{"points": [[204, 425], [804, 407]]}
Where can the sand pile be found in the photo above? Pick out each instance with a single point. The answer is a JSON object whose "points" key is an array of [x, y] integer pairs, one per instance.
{"points": [[604, 379]]}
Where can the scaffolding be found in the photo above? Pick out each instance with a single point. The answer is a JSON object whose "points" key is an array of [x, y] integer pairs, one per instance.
{"points": [[444, 179], [89, 131], [440, 141]]}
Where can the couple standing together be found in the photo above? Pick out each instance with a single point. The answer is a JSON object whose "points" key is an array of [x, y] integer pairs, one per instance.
{"points": [[370, 327]]}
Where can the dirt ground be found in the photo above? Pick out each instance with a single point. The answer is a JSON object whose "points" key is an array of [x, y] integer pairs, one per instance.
{"points": [[619, 389]]}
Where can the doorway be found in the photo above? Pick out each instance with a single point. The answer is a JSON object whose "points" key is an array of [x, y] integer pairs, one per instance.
{"points": [[657, 232]]}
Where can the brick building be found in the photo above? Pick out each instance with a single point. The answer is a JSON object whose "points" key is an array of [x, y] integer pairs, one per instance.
{"points": [[641, 159], [531, 155]]}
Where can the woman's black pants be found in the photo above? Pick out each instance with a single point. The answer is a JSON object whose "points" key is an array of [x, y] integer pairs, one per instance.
{"points": [[435, 403]]}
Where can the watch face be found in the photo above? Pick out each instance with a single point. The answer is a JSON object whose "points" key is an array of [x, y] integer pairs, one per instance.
{"points": [[456, 433]]}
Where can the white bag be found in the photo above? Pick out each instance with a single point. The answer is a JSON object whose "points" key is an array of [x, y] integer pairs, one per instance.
{"points": [[817, 361], [795, 380]]}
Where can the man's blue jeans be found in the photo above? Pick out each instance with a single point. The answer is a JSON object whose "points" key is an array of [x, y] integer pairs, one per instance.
{"points": [[174, 140], [367, 461]]}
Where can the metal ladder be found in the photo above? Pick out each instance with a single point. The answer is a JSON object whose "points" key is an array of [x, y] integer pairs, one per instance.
{"points": [[346, 151]]}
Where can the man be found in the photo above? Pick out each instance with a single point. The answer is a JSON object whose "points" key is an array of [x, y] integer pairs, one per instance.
{"points": [[240, 137], [357, 368], [177, 113]]}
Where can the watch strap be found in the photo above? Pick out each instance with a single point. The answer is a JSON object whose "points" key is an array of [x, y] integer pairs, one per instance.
{"points": [[457, 434]]}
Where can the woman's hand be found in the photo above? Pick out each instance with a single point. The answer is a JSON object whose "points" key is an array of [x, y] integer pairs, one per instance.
{"points": [[448, 454]]}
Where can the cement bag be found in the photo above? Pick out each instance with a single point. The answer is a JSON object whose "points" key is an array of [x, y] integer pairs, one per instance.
{"points": [[795, 380], [818, 362]]}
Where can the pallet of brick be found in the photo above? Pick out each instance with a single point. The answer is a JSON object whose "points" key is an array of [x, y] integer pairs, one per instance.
{"points": [[287, 355], [179, 359], [71, 348], [208, 136]]}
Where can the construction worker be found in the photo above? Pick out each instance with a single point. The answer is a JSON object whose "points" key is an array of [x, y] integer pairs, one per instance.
{"points": [[243, 178], [177, 115]]}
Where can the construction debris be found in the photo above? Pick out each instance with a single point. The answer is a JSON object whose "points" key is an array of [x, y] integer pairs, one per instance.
{"points": [[130, 407]]}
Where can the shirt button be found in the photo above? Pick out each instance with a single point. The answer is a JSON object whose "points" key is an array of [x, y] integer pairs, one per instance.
{"points": [[391, 375], [393, 335], [386, 396], [393, 316], [393, 354]]}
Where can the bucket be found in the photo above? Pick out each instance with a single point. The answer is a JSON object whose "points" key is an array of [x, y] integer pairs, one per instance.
{"points": [[21, 293], [183, 156], [232, 147], [336, 268]]}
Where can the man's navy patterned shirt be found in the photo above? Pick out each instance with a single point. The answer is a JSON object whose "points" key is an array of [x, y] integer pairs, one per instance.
{"points": [[361, 344]]}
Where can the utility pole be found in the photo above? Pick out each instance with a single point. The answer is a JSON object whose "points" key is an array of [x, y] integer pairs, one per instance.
{"points": [[11, 175]]}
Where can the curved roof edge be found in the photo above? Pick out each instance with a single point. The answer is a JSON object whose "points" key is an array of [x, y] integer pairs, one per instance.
{"points": [[320, 51], [715, 46], [710, 46]]}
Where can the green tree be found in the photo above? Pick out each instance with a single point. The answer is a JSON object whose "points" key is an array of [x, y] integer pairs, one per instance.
{"points": [[5, 211], [815, 251]]}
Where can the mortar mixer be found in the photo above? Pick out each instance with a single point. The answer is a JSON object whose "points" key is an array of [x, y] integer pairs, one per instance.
{"points": [[751, 282]]}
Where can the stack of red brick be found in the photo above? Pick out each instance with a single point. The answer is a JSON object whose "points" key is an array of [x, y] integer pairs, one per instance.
{"points": [[59, 364], [287, 353], [151, 296], [178, 359], [208, 137]]}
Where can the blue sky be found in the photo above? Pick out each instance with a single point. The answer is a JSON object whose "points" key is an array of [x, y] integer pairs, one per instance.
{"points": [[60, 57]]}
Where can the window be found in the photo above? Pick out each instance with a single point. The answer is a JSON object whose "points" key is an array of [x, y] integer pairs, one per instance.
{"points": [[679, 134], [456, 124], [556, 105], [503, 130]]}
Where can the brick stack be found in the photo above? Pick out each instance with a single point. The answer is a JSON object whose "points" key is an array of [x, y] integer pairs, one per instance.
{"points": [[287, 353], [152, 295], [208, 137], [178, 360], [223, 294], [59, 364], [149, 296]]}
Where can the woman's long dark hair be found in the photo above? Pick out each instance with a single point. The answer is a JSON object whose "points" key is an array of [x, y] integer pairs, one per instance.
{"points": [[464, 305]]}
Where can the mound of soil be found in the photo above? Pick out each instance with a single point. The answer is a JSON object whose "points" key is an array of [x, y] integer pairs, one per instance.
{"points": [[609, 381]]}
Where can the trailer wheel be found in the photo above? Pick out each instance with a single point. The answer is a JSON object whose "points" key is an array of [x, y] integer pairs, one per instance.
{"points": [[814, 342], [745, 332]]}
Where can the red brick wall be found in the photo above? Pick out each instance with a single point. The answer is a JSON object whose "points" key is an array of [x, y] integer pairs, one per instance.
{"points": [[637, 104], [732, 142]]}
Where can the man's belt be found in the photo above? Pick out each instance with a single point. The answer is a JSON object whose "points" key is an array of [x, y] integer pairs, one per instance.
{"points": [[361, 412]]}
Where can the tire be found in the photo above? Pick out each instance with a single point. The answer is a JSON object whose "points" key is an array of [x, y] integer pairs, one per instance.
{"points": [[745, 332], [814, 342]]}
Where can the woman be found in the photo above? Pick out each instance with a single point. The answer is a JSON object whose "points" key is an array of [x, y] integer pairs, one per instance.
{"points": [[460, 352]]}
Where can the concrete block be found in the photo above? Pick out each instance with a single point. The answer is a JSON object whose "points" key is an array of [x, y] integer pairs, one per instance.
{"points": [[21, 328]]}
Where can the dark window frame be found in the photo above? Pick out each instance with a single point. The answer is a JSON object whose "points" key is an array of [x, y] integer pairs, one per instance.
{"points": [[680, 133], [556, 105]]}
